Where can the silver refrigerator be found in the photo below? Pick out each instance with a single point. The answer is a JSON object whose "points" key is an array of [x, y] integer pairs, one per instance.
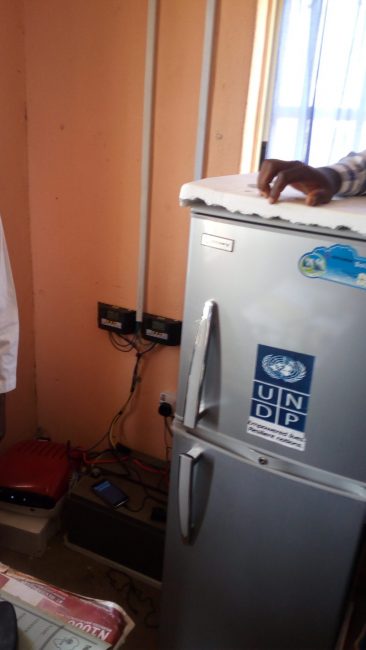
{"points": [[268, 483]]}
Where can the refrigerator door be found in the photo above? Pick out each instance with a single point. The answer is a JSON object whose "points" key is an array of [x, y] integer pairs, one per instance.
{"points": [[254, 560], [273, 354]]}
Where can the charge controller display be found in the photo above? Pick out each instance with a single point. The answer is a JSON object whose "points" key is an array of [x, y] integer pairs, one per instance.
{"points": [[166, 331], [116, 319]]}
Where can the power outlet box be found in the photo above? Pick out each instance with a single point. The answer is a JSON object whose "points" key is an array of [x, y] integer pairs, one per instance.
{"points": [[116, 319]]}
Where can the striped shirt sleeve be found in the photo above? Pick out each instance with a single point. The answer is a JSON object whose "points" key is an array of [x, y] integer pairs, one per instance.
{"points": [[352, 170]]}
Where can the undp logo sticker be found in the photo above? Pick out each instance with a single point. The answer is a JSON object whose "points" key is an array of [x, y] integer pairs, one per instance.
{"points": [[279, 366], [280, 399]]}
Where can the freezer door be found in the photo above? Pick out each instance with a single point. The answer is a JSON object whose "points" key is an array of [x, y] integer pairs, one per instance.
{"points": [[255, 561], [273, 352]]}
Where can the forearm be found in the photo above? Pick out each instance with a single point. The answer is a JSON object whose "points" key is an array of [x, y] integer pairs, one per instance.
{"points": [[351, 172], [333, 178]]}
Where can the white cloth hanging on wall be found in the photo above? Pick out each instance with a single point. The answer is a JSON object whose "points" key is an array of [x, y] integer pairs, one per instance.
{"points": [[9, 321]]}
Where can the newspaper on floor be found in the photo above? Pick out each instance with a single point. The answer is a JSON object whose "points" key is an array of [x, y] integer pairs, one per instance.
{"points": [[101, 620], [38, 631]]}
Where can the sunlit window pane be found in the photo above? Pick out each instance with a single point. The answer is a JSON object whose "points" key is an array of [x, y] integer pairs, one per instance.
{"points": [[319, 105]]}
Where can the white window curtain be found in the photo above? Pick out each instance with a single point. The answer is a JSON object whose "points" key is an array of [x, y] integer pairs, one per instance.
{"points": [[319, 102]]}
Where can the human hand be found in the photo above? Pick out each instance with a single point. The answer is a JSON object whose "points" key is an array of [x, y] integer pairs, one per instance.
{"points": [[319, 184]]}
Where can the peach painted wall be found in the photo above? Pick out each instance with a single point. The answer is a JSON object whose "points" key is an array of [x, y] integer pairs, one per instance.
{"points": [[85, 75], [14, 208], [235, 24]]}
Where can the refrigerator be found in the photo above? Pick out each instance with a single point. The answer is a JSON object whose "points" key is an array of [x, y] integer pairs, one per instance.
{"points": [[268, 478]]}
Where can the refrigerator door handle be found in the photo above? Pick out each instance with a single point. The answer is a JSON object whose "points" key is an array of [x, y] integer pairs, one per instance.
{"points": [[187, 462], [198, 366]]}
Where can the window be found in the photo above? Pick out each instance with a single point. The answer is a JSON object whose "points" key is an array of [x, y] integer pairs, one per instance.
{"points": [[317, 110]]}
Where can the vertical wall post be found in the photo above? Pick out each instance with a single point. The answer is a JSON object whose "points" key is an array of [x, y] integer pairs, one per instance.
{"points": [[205, 88], [146, 156]]}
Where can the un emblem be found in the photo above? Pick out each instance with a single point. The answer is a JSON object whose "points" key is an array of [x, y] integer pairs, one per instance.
{"points": [[283, 367]]}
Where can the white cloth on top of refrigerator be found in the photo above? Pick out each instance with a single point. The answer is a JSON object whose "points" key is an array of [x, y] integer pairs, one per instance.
{"points": [[9, 323], [238, 193]]}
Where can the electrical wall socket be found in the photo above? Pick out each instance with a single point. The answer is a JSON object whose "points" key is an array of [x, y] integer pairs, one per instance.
{"points": [[168, 398]]}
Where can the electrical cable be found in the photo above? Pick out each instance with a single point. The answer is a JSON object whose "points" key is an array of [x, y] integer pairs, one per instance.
{"points": [[167, 425], [96, 460], [118, 416], [141, 350], [129, 590], [129, 344], [147, 468], [167, 431], [134, 381], [164, 476], [147, 497], [88, 461], [124, 459], [127, 477], [96, 444]]}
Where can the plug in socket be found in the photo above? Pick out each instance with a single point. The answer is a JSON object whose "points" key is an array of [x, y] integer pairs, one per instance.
{"points": [[167, 402]]}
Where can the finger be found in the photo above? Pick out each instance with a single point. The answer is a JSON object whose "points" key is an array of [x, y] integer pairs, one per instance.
{"points": [[264, 178], [318, 197], [269, 170], [290, 176]]}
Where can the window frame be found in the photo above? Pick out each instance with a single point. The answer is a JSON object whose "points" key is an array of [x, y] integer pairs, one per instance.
{"points": [[261, 83]]}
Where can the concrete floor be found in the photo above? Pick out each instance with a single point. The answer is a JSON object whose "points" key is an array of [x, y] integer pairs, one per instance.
{"points": [[68, 569], [74, 571]]}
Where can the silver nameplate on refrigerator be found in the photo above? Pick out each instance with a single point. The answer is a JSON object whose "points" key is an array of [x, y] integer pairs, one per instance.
{"points": [[222, 243]]}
